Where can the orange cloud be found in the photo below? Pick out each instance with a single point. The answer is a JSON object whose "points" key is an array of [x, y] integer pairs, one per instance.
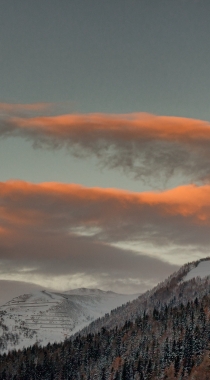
{"points": [[189, 200], [142, 144], [121, 127], [117, 215]]}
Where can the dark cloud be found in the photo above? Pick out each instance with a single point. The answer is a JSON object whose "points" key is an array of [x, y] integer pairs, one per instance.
{"points": [[54, 230], [90, 261], [63, 256]]}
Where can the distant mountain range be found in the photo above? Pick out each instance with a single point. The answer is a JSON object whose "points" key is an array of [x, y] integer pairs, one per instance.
{"points": [[162, 334]]}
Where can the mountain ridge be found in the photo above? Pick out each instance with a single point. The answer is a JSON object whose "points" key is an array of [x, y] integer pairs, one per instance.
{"points": [[171, 291]]}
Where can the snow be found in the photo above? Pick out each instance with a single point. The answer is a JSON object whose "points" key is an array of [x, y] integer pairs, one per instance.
{"points": [[202, 270], [87, 291], [45, 316]]}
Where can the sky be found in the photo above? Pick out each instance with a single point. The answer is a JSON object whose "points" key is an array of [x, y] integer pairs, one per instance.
{"points": [[104, 142]]}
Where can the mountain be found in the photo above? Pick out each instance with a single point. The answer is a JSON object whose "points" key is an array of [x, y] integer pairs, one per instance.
{"points": [[163, 334], [43, 316], [190, 281]]}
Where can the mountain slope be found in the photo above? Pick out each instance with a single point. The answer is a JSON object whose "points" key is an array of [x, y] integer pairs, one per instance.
{"points": [[45, 317], [190, 281]]}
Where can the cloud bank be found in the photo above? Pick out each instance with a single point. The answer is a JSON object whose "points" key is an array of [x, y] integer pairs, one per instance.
{"points": [[110, 215], [54, 229], [143, 145]]}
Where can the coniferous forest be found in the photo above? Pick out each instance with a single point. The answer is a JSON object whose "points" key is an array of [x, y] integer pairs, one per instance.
{"points": [[169, 342]]}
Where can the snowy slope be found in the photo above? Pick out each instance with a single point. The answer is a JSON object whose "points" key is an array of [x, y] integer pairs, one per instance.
{"points": [[48, 317], [191, 281], [202, 270]]}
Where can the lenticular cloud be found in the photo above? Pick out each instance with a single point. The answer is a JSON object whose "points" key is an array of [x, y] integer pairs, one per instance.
{"points": [[143, 145]]}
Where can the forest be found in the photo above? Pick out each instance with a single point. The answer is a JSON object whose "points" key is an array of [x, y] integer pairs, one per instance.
{"points": [[168, 342]]}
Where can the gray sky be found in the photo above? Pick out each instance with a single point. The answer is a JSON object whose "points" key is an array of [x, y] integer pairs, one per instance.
{"points": [[103, 94]]}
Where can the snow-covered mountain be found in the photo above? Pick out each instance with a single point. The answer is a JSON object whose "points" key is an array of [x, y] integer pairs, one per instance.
{"points": [[164, 333], [45, 316], [191, 281]]}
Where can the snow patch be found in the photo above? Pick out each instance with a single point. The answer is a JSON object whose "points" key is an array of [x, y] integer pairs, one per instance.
{"points": [[202, 270]]}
